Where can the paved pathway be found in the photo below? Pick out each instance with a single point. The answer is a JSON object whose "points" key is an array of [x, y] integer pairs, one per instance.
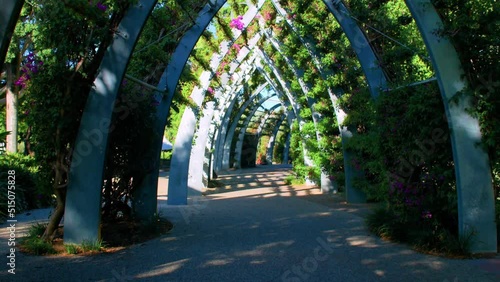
{"points": [[275, 233]]}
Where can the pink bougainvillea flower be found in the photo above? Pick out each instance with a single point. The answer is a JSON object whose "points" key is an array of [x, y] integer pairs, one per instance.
{"points": [[426, 214], [210, 90], [101, 6], [237, 23], [267, 16]]}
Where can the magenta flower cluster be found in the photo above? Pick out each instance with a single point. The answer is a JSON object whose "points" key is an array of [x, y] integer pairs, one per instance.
{"points": [[237, 47], [426, 215], [237, 23], [99, 6], [155, 102], [32, 66], [268, 16]]}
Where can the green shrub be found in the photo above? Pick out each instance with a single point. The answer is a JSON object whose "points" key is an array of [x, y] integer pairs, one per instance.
{"points": [[29, 194], [293, 180], [424, 233]]}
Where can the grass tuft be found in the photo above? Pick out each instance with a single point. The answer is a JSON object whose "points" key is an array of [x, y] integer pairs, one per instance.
{"points": [[37, 246], [92, 246], [72, 249], [37, 229]]}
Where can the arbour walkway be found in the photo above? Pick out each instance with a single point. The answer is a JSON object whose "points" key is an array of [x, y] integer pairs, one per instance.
{"points": [[262, 230]]}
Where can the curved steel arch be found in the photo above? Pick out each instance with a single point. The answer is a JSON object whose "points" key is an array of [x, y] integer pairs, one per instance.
{"points": [[325, 182], [268, 116], [230, 133], [286, 88], [180, 175], [374, 74], [476, 210], [272, 140], [210, 114], [290, 116], [179, 172], [243, 130], [169, 81], [145, 199], [214, 128], [82, 211], [222, 132], [460, 177], [226, 103], [196, 162], [9, 14], [83, 206]]}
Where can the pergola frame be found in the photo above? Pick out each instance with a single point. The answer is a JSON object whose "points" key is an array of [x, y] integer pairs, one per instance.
{"points": [[82, 215]]}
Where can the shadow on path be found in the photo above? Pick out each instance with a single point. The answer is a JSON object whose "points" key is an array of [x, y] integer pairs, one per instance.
{"points": [[272, 233]]}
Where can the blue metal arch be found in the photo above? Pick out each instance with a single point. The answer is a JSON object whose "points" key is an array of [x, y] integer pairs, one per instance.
{"points": [[110, 77], [9, 13]]}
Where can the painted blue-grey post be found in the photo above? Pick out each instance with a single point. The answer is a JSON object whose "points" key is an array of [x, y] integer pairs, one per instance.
{"points": [[234, 124], [476, 210], [223, 129], [220, 137], [197, 159], [325, 181], [197, 152], [272, 140], [146, 196], [286, 150], [266, 118], [241, 135], [180, 172], [334, 94], [179, 176], [222, 151], [83, 200], [9, 14], [199, 166], [179, 168], [224, 103], [375, 78], [285, 85]]}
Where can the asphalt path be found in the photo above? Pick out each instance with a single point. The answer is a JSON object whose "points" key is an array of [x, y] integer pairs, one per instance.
{"points": [[276, 233]]}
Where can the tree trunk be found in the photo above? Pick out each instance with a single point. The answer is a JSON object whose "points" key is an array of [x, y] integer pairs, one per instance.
{"points": [[60, 185], [11, 113], [27, 143], [56, 217]]}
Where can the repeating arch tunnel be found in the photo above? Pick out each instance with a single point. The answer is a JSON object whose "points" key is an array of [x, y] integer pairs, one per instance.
{"points": [[214, 124]]}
